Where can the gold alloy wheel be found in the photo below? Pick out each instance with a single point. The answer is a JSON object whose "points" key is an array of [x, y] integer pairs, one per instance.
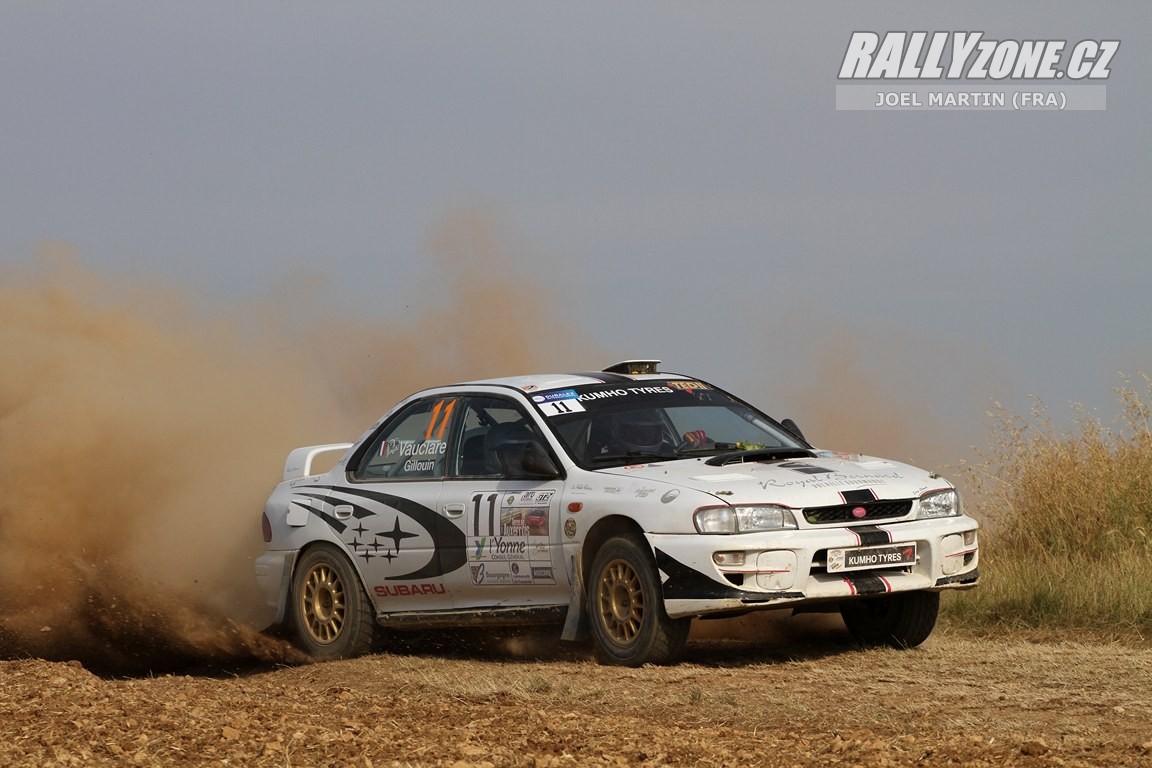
{"points": [[322, 603], [621, 601]]}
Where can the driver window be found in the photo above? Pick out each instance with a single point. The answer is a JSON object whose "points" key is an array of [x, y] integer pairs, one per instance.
{"points": [[412, 446], [490, 427]]}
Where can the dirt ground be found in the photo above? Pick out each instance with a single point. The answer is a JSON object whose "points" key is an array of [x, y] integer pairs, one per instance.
{"points": [[525, 700]]}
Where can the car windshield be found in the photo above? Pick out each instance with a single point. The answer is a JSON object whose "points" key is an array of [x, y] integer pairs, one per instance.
{"points": [[607, 425]]}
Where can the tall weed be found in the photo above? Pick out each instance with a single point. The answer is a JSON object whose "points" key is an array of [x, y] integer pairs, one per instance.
{"points": [[1067, 543]]}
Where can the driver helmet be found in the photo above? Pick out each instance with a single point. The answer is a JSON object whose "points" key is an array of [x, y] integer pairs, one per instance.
{"points": [[639, 430]]}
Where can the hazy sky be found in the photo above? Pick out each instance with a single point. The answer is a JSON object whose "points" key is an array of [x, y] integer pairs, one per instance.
{"points": [[675, 174]]}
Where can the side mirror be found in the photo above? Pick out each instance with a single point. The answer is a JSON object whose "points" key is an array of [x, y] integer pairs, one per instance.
{"points": [[527, 461], [790, 425]]}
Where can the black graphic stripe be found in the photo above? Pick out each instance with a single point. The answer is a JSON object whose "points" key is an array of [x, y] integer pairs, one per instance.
{"points": [[867, 584], [871, 535], [450, 542], [333, 523], [358, 512], [858, 497], [686, 583]]}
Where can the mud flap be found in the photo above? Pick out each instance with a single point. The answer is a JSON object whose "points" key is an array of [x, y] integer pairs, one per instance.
{"points": [[576, 622]]}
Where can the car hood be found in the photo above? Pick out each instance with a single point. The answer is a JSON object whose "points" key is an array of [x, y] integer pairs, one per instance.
{"points": [[806, 482]]}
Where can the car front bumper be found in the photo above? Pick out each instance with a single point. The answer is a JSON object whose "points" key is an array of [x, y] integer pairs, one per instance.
{"points": [[744, 572]]}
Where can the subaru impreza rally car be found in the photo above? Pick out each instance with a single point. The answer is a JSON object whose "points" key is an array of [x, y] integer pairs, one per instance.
{"points": [[620, 503]]}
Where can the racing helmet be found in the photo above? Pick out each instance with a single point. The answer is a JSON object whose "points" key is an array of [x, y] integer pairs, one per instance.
{"points": [[639, 430], [500, 440]]}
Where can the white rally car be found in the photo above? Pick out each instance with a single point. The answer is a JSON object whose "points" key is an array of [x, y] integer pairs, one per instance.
{"points": [[624, 503]]}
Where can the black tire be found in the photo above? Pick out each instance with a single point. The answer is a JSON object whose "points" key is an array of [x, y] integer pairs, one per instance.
{"points": [[903, 620], [331, 616], [629, 625]]}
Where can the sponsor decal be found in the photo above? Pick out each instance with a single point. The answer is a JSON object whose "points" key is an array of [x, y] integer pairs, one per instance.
{"points": [[499, 548], [560, 394], [625, 392], [570, 528], [402, 448], [839, 481], [508, 534], [422, 454], [688, 386], [972, 70], [407, 590], [670, 496]]}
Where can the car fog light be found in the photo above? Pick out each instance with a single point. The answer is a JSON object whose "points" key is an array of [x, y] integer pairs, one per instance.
{"points": [[728, 558]]}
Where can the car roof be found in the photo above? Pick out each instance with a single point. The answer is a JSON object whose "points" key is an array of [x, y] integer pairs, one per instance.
{"points": [[545, 381]]}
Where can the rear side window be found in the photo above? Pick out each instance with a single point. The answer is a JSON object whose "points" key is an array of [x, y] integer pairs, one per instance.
{"points": [[413, 445]]}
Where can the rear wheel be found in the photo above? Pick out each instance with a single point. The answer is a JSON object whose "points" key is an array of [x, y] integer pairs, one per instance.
{"points": [[903, 620], [629, 624], [331, 615]]}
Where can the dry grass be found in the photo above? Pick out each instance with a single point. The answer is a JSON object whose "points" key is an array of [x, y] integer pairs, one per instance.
{"points": [[1069, 544]]}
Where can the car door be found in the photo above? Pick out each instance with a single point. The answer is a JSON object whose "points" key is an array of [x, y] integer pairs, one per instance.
{"points": [[510, 522], [402, 544]]}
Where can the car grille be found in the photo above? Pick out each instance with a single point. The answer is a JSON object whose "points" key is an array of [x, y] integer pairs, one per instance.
{"points": [[842, 513]]}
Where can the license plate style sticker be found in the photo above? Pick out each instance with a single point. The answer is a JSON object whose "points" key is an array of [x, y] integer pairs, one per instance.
{"points": [[864, 558]]}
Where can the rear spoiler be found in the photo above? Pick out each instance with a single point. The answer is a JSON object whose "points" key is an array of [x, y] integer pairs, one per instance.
{"points": [[299, 462]]}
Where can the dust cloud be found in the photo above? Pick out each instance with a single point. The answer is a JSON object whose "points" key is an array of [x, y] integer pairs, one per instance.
{"points": [[860, 394], [142, 428], [141, 432]]}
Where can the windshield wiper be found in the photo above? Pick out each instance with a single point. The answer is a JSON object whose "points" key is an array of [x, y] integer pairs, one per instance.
{"points": [[760, 454], [631, 455], [706, 449]]}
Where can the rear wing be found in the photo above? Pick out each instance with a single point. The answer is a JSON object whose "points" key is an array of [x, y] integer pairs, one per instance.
{"points": [[299, 462]]}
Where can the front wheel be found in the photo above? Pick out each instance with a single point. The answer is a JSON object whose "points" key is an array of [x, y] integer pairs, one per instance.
{"points": [[629, 624], [331, 615], [903, 620]]}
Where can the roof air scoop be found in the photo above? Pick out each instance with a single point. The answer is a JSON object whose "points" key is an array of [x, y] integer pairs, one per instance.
{"points": [[634, 367]]}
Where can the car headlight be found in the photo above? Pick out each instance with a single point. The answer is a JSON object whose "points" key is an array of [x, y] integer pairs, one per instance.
{"points": [[743, 519], [940, 504]]}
